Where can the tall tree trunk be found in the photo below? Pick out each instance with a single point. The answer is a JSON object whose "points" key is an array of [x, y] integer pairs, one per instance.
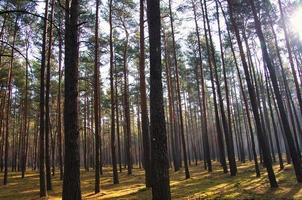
{"points": [[59, 103], [96, 86], [290, 57], [226, 122], [274, 124], [128, 147], [71, 182], [293, 151], [201, 99], [117, 122], [43, 191], [8, 103], [113, 101], [171, 105], [212, 64], [182, 134], [47, 106], [159, 157], [243, 96], [26, 134], [143, 100], [262, 139]]}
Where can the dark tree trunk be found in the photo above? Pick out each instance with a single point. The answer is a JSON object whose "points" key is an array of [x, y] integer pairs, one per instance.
{"points": [[71, 182], [24, 155], [159, 157], [47, 106], [113, 101], [59, 104], [128, 147], [43, 191], [96, 86]]}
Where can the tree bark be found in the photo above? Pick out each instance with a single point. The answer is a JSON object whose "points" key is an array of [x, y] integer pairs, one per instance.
{"points": [[47, 93], [96, 86], [43, 191], [71, 182], [113, 101], [143, 100], [159, 158]]}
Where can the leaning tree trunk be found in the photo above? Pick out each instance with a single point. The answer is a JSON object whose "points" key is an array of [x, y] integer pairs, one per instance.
{"points": [[292, 148], [243, 96], [263, 143]]}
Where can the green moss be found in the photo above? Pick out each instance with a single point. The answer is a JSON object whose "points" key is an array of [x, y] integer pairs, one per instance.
{"points": [[201, 185]]}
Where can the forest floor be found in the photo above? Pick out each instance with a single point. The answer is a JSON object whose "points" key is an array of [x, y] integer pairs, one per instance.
{"points": [[201, 185]]}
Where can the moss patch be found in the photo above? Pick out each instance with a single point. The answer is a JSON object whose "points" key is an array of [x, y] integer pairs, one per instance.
{"points": [[201, 185]]}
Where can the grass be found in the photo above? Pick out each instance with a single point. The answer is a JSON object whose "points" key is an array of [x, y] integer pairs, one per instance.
{"points": [[201, 185]]}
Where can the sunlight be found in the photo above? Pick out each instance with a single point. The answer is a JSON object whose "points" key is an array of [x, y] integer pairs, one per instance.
{"points": [[296, 21]]}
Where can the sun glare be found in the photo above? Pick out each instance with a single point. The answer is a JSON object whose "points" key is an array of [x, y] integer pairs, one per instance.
{"points": [[296, 23]]}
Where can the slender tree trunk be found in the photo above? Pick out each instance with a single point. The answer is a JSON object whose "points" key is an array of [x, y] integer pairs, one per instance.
{"points": [[8, 103], [143, 100], [243, 96], [290, 57], [201, 99], [182, 134], [171, 105], [262, 139], [113, 154], [96, 85], [59, 104], [226, 122], [26, 134], [128, 149], [43, 191], [274, 125], [117, 123], [293, 151], [212, 64], [47, 106]]}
